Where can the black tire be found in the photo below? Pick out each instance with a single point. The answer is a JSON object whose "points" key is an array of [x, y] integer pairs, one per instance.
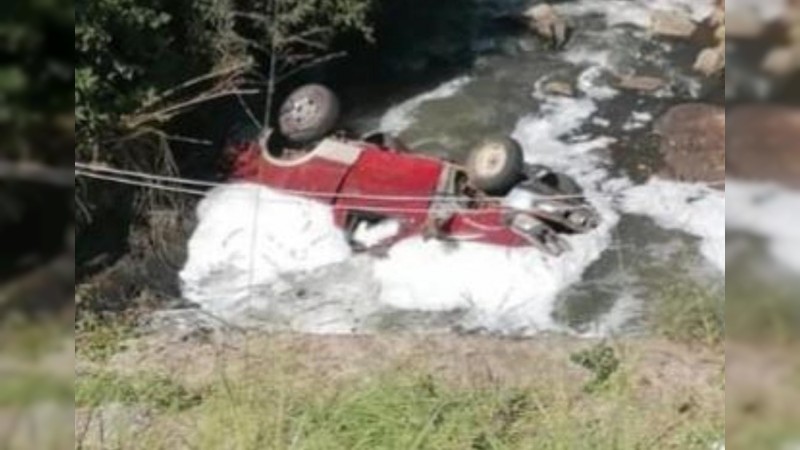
{"points": [[544, 180], [308, 114], [496, 166], [563, 184]]}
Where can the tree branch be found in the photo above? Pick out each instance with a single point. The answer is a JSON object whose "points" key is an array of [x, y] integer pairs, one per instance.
{"points": [[312, 63], [169, 112], [238, 68]]}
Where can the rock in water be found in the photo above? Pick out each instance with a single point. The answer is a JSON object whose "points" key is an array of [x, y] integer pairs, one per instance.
{"points": [[693, 142], [673, 24], [743, 26], [710, 61], [764, 144], [561, 88], [641, 83], [545, 21], [782, 61]]}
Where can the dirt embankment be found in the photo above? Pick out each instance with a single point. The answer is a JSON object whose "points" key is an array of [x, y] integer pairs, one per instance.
{"points": [[660, 369], [522, 393]]}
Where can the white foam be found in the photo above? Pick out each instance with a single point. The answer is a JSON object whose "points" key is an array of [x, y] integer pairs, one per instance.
{"points": [[636, 12], [769, 211], [505, 290], [402, 116], [587, 56], [544, 136], [372, 235], [693, 208], [590, 83], [637, 120], [247, 237]]}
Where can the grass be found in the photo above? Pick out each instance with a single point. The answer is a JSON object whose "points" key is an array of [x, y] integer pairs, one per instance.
{"points": [[683, 306], [763, 299], [763, 405], [98, 337], [158, 392], [281, 404], [30, 339], [689, 311], [775, 433], [20, 390], [758, 311], [398, 412], [763, 334]]}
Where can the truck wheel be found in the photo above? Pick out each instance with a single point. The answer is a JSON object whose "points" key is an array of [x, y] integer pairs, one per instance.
{"points": [[563, 184], [308, 114], [496, 166]]}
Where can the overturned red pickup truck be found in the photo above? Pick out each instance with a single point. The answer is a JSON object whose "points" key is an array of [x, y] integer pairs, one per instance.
{"points": [[493, 198]]}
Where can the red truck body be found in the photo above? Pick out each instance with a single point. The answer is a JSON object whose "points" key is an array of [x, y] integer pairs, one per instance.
{"points": [[363, 181]]}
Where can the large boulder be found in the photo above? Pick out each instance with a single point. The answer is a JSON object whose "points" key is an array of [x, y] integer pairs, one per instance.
{"points": [[764, 143], [693, 142]]}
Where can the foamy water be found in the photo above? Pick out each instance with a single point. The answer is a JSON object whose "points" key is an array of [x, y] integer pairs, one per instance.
{"points": [[693, 208], [768, 211], [510, 290], [636, 12], [256, 251], [401, 116], [247, 237]]}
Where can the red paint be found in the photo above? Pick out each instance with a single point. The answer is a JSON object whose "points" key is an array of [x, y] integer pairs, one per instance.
{"points": [[384, 173]]}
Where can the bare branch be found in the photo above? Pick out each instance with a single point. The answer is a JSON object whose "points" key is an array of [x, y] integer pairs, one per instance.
{"points": [[237, 68], [294, 40], [315, 31], [164, 115], [252, 43], [312, 63]]}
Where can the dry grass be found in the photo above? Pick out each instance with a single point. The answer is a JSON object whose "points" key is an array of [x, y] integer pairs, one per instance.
{"points": [[763, 402], [409, 391]]}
